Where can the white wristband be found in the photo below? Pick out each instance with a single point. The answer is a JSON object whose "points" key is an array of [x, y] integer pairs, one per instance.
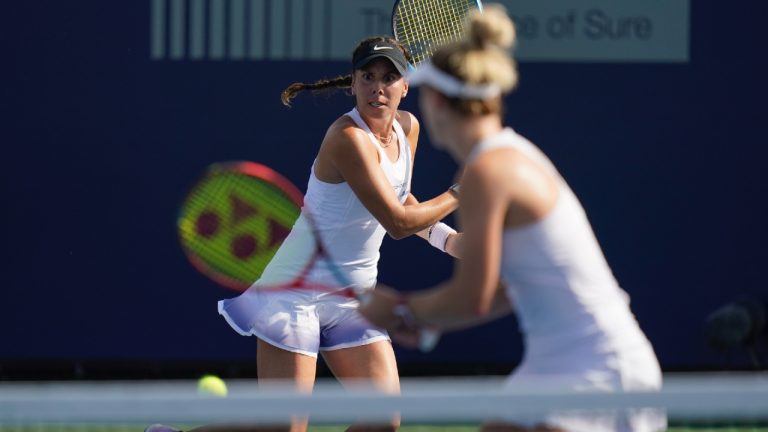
{"points": [[455, 188], [438, 235]]}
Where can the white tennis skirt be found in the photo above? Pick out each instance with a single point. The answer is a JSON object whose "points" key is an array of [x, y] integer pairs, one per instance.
{"points": [[300, 321]]}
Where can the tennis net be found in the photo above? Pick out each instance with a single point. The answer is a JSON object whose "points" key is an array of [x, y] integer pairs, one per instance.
{"points": [[733, 402]]}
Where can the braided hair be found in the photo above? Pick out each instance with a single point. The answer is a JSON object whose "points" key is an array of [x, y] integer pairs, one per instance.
{"points": [[341, 81]]}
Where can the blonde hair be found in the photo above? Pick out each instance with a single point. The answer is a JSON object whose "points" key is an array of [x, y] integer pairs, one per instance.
{"points": [[482, 58]]}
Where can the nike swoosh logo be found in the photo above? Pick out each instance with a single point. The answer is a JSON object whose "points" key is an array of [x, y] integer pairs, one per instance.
{"points": [[378, 48]]}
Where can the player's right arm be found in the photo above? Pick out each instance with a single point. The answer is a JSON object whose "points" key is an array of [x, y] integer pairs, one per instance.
{"points": [[347, 150]]}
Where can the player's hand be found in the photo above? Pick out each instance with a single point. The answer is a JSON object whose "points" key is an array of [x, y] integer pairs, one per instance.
{"points": [[383, 307], [379, 307], [408, 337]]}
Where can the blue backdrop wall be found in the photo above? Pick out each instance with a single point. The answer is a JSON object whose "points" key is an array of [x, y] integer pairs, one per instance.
{"points": [[100, 144]]}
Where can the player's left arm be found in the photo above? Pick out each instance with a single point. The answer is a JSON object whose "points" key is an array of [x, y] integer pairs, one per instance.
{"points": [[411, 128], [451, 245]]}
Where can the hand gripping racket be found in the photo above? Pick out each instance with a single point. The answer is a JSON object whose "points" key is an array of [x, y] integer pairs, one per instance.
{"points": [[240, 216], [425, 25]]}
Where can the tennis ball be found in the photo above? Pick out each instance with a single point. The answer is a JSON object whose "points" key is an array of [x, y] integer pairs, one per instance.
{"points": [[211, 385]]}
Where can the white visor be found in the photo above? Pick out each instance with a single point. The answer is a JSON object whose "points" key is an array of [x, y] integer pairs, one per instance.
{"points": [[449, 85]]}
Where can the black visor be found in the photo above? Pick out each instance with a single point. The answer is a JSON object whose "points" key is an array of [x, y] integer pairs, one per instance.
{"points": [[381, 49]]}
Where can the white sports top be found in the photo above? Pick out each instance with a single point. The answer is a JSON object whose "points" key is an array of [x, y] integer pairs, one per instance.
{"points": [[350, 234], [573, 314]]}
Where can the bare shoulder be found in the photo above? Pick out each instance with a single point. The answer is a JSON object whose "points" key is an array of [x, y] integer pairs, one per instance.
{"points": [[342, 125], [344, 138], [512, 181], [344, 131], [408, 121], [508, 169], [498, 163]]}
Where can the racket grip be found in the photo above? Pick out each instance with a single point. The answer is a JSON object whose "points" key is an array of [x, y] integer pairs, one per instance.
{"points": [[428, 339]]}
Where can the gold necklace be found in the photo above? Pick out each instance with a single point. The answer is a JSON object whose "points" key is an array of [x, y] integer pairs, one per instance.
{"points": [[385, 142]]}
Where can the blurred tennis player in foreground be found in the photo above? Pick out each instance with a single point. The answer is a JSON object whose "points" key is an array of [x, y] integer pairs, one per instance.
{"points": [[521, 223]]}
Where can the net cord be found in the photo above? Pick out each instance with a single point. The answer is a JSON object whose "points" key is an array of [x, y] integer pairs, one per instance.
{"points": [[447, 400]]}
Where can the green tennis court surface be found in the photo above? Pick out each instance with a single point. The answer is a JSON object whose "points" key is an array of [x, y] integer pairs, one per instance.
{"points": [[406, 428], [427, 428]]}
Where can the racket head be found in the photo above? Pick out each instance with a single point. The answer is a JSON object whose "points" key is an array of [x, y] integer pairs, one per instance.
{"points": [[423, 26], [234, 219]]}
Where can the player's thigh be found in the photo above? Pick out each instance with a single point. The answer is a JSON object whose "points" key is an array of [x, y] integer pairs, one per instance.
{"points": [[277, 364], [374, 361]]}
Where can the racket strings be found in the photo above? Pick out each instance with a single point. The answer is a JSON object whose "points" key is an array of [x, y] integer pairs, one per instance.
{"points": [[219, 249], [425, 25], [240, 240], [448, 22], [204, 218]]}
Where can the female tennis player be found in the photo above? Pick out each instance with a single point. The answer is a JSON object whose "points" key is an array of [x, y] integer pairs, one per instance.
{"points": [[522, 225], [358, 190]]}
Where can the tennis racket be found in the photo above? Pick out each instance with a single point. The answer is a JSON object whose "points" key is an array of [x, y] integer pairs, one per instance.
{"points": [[237, 218], [425, 25], [234, 219]]}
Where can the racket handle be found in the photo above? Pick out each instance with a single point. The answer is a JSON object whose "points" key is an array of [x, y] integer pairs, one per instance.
{"points": [[428, 339]]}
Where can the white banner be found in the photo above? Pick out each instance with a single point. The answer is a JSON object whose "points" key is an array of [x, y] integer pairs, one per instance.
{"points": [[601, 30], [548, 30]]}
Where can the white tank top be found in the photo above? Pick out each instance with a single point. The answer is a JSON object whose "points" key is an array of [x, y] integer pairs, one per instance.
{"points": [[569, 305], [351, 235]]}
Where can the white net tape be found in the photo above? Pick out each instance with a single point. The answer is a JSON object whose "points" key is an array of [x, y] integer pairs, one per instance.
{"points": [[684, 397]]}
